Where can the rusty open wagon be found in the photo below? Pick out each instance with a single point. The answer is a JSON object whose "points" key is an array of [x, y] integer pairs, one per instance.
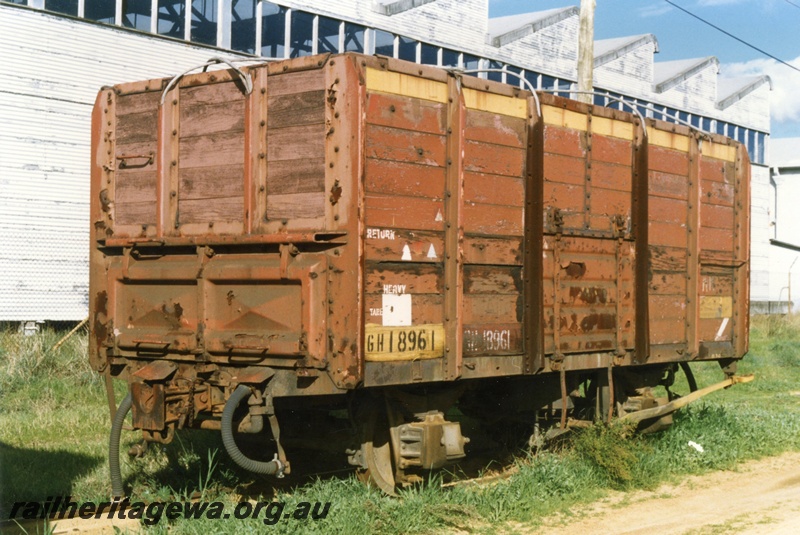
{"points": [[344, 234]]}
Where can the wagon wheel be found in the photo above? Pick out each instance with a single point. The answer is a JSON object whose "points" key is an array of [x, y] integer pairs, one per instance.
{"points": [[376, 450]]}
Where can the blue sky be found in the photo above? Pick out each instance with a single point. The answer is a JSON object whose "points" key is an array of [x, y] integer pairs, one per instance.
{"points": [[771, 25]]}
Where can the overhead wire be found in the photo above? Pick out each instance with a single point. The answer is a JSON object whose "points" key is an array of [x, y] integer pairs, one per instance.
{"points": [[704, 21]]}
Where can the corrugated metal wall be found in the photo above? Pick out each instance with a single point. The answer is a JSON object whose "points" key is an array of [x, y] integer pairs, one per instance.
{"points": [[51, 72]]}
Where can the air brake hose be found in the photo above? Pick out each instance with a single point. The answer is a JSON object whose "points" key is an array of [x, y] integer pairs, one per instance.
{"points": [[113, 447], [259, 467]]}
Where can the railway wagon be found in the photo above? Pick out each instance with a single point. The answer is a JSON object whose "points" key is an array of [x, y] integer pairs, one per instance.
{"points": [[337, 250]]}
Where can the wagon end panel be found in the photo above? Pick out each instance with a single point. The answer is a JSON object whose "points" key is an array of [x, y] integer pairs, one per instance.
{"points": [[221, 213]]}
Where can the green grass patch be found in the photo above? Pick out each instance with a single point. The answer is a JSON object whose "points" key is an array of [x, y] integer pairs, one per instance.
{"points": [[54, 425]]}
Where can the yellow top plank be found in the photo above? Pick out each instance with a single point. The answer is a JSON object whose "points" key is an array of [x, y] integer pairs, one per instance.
{"points": [[719, 151], [405, 85], [500, 104], [669, 140], [564, 118], [612, 128]]}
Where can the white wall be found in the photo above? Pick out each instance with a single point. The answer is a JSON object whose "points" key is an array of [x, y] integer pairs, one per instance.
{"points": [[52, 70]]}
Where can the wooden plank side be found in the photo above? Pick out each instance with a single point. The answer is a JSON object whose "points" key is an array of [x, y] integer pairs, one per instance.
{"points": [[668, 161], [492, 159], [493, 189], [221, 208], [668, 210], [296, 206], [137, 103], [668, 185], [205, 119], [716, 216], [564, 141], [403, 278], [611, 176], [413, 114], [295, 143], [404, 146], [667, 259], [141, 127], [211, 182], [223, 148], [298, 109], [494, 128], [607, 203], [293, 82], [669, 234], [402, 178], [564, 169], [393, 245], [611, 150], [717, 193], [426, 309], [415, 213], [493, 280], [135, 192], [304, 175], [492, 251], [565, 197], [493, 220], [492, 309]]}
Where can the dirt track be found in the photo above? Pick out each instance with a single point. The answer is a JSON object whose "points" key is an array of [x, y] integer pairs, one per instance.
{"points": [[760, 497]]}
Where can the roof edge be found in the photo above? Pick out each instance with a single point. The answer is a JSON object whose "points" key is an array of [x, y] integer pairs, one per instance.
{"points": [[669, 83], [393, 7], [529, 28], [618, 52], [744, 91]]}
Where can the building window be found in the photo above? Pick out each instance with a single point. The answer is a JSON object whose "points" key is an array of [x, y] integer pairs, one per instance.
{"points": [[494, 76], [171, 18], [354, 37], [407, 49], [302, 34], [429, 54], [67, 7], [273, 30], [136, 14], [721, 128], [761, 147], [384, 43], [327, 35], [243, 26], [471, 63], [101, 11], [449, 58], [204, 21], [512, 79]]}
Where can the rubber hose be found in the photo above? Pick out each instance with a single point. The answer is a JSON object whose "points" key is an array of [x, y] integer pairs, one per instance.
{"points": [[687, 371], [113, 447], [259, 467]]}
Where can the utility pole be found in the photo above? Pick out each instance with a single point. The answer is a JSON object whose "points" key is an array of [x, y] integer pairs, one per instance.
{"points": [[586, 50]]}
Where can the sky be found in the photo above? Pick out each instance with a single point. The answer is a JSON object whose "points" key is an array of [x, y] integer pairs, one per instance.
{"points": [[770, 25]]}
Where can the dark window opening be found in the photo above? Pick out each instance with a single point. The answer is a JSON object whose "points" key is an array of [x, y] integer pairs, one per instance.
{"points": [[328, 35]]}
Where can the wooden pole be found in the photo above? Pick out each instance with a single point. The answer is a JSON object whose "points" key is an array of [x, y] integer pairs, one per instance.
{"points": [[586, 50]]}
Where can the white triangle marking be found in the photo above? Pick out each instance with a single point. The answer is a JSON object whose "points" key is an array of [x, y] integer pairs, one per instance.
{"points": [[431, 252], [406, 253], [439, 216]]}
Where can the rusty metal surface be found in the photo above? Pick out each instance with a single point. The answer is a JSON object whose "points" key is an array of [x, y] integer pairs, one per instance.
{"points": [[349, 195]]}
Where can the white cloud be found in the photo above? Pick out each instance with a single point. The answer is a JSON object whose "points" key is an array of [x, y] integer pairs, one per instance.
{"points": [[784, 98], [654, 10]]}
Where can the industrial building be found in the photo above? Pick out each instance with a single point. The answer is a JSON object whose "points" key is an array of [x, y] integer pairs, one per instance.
{"points": [[58, 53]]}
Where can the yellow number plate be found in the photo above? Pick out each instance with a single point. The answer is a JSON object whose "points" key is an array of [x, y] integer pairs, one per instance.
{"points": [[386, 344]]}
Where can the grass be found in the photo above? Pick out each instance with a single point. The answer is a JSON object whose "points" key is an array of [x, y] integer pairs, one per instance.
{"points": [[54, 426]]}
